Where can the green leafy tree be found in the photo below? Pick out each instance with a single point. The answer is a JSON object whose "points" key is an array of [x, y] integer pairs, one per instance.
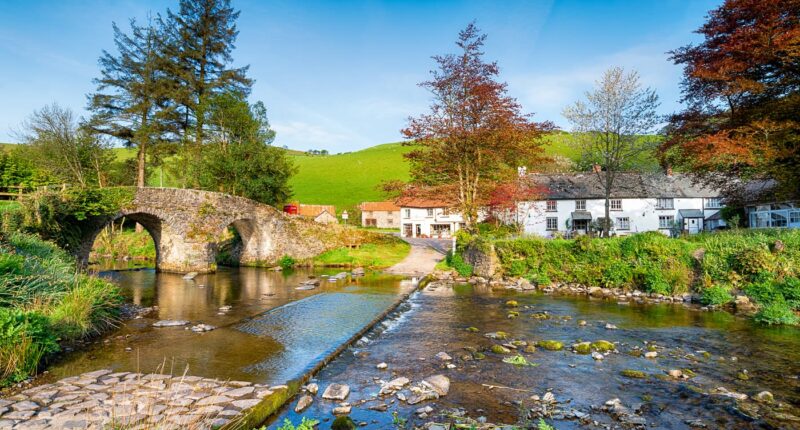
{"points": [[55, 142], [201, 40], [132, 100], [238, 158]]}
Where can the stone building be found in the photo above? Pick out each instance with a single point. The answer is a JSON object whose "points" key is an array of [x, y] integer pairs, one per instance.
{"points": [[323, 214], [380, 214]]}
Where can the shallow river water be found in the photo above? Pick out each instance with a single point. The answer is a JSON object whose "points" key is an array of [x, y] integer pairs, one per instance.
{"points": [[272, 331], [716, 346]]}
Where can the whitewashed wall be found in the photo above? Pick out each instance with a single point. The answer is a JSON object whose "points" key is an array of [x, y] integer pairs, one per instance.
{"points": [[419, 217], [642, 213]]}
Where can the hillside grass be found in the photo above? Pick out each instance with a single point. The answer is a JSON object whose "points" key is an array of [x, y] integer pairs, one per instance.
{"points": [[763, 264], [45, 301], [381, 252]]}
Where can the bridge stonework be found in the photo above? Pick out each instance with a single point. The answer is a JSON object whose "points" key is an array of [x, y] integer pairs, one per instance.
{"points": [[186, 224]]}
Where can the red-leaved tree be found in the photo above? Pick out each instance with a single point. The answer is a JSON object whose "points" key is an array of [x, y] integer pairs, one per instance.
{"points": [[742, 88], [474, 136]]}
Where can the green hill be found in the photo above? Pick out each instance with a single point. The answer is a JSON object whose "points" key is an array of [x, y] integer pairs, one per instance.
{"points": [[345, 180]]}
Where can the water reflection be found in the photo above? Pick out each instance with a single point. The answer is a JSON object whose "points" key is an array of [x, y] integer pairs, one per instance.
{"points": [[228, 352]]}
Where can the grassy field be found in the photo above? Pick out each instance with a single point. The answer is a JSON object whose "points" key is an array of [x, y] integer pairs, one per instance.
{"points": [[382, 252]]}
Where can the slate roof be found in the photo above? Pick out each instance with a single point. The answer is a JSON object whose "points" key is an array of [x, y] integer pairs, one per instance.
{"points": [[579, 186], [690, 213]]}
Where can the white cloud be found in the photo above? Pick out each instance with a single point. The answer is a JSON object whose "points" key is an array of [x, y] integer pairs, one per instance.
{"points": [[302, 135]]}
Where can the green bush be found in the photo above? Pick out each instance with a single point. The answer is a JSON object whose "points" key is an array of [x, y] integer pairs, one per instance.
{"points": [[517, 268], [652, 280], [286, 262], [752, 261], [25, 338], [456, 261], [790, 288], [715, 295], [777, 313], [617, 274]]}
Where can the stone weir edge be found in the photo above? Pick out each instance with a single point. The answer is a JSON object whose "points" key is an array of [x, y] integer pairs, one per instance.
{"points": [[262, 412]]}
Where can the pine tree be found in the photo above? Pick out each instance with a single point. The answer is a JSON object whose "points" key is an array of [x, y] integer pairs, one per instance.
{"points": [[132, 100], [202, 36]]}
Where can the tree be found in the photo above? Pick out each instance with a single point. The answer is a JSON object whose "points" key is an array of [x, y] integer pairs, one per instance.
{"points": [[238, 158], [54, 141], [741, 86], [201, 40], [475, 135], [131, 102], [613, 128]]}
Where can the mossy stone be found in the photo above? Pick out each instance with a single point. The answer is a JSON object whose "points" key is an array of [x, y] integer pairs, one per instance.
{"points": [[550, 345], [635, 352], [343, 423], [689, 372], [500, 349], [530, 349], [583, 348], [630, 373], [512, 303], [603, 346], [472, 329], [743, 376], [479, 356]]}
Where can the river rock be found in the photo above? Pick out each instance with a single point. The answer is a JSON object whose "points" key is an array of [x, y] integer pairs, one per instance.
{"points": [[358, 271], [438, 383], [548, 397], [444, 356], [382, 366], [611, 326], [675, 373], [650, 354], [303, 403], [336, 392], [170, 323], [764, 397], [393, 385], [342, 410], [190, 275], [199, 328], [597, 356], [312, 388], [722, 391]]}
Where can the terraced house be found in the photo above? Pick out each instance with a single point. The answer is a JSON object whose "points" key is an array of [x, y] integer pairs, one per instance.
{"points": [[428, 219], [573, 204]]}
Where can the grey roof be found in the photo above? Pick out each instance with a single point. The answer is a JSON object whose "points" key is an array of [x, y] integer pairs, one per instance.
{"points": [[581, 215], [571, 186], [690, 213], [717, 216]]}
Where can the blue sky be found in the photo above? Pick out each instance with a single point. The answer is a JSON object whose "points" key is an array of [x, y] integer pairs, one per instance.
{"points": [[342, 75]]}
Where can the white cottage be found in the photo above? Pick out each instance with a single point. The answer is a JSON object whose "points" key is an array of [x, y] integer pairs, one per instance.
{"points": [[428, 219], [639, 203]]}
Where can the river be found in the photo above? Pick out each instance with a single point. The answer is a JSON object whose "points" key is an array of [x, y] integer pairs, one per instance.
{"points": [[274, 332]]}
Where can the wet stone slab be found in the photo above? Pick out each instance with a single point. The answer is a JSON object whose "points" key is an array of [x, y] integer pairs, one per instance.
{"points": [[104, 399]]}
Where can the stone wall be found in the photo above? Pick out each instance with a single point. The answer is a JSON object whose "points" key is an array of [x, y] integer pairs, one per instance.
{"points": [[483, 259]]}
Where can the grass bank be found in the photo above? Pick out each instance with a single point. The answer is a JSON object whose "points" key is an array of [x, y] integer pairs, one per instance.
{"points": [[44, 302], [124, 243], [762, 264], [381, 251]]}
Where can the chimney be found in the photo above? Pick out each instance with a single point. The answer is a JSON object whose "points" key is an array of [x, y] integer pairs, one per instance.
{"points": [[669, 170], [596, 168]]}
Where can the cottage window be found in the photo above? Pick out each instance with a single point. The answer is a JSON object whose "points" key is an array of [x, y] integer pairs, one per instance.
{"points": [[390, 221], [616, 205], [552, 206], [552, 223], [665, 203], [794, 217], [778, 219], [713, 203], [623, 223], [445, 211], [665, 221], [408, 213], [430, 212], [580, 205]]}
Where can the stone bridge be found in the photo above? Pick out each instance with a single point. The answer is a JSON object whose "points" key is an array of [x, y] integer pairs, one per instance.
{"points": [[186, 225]]}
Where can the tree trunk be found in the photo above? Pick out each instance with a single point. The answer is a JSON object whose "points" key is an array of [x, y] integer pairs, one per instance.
{"points": [[140, 174]]}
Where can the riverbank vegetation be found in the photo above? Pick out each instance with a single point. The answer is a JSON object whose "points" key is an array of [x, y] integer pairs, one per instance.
{"points": [[45, 302], [762, 264], [380, 251]]}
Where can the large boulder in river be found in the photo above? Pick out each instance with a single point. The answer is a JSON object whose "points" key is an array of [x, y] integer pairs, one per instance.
{"points": [[336, 392], [170, 323], [438, 383]]}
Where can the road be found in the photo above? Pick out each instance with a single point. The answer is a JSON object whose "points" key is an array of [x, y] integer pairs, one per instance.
{"points": [[422, 259]]}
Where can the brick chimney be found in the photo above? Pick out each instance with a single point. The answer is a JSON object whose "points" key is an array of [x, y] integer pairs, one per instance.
{"points": [[596, 168]]}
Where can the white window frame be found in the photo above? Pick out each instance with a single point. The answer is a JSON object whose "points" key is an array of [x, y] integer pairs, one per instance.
{"points": [[554, 221], [626, 224], [665, 221], [551, 206], [430, 212], [580, 205], [717, 203], [613, 207], [665, 203], [407, 213]]}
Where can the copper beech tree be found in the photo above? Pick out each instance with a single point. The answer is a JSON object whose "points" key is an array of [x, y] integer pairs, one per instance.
{"points": [[474, 136], [742, 90]]}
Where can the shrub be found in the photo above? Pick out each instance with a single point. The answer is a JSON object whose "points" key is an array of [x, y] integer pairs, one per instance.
{"points": [[715, 295], [25, 338], [456, 261], [651, 279], [777, 313], [286, 262], [755, 260], [617, 274], [763, 292], [790, 288], [517, 268]]}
